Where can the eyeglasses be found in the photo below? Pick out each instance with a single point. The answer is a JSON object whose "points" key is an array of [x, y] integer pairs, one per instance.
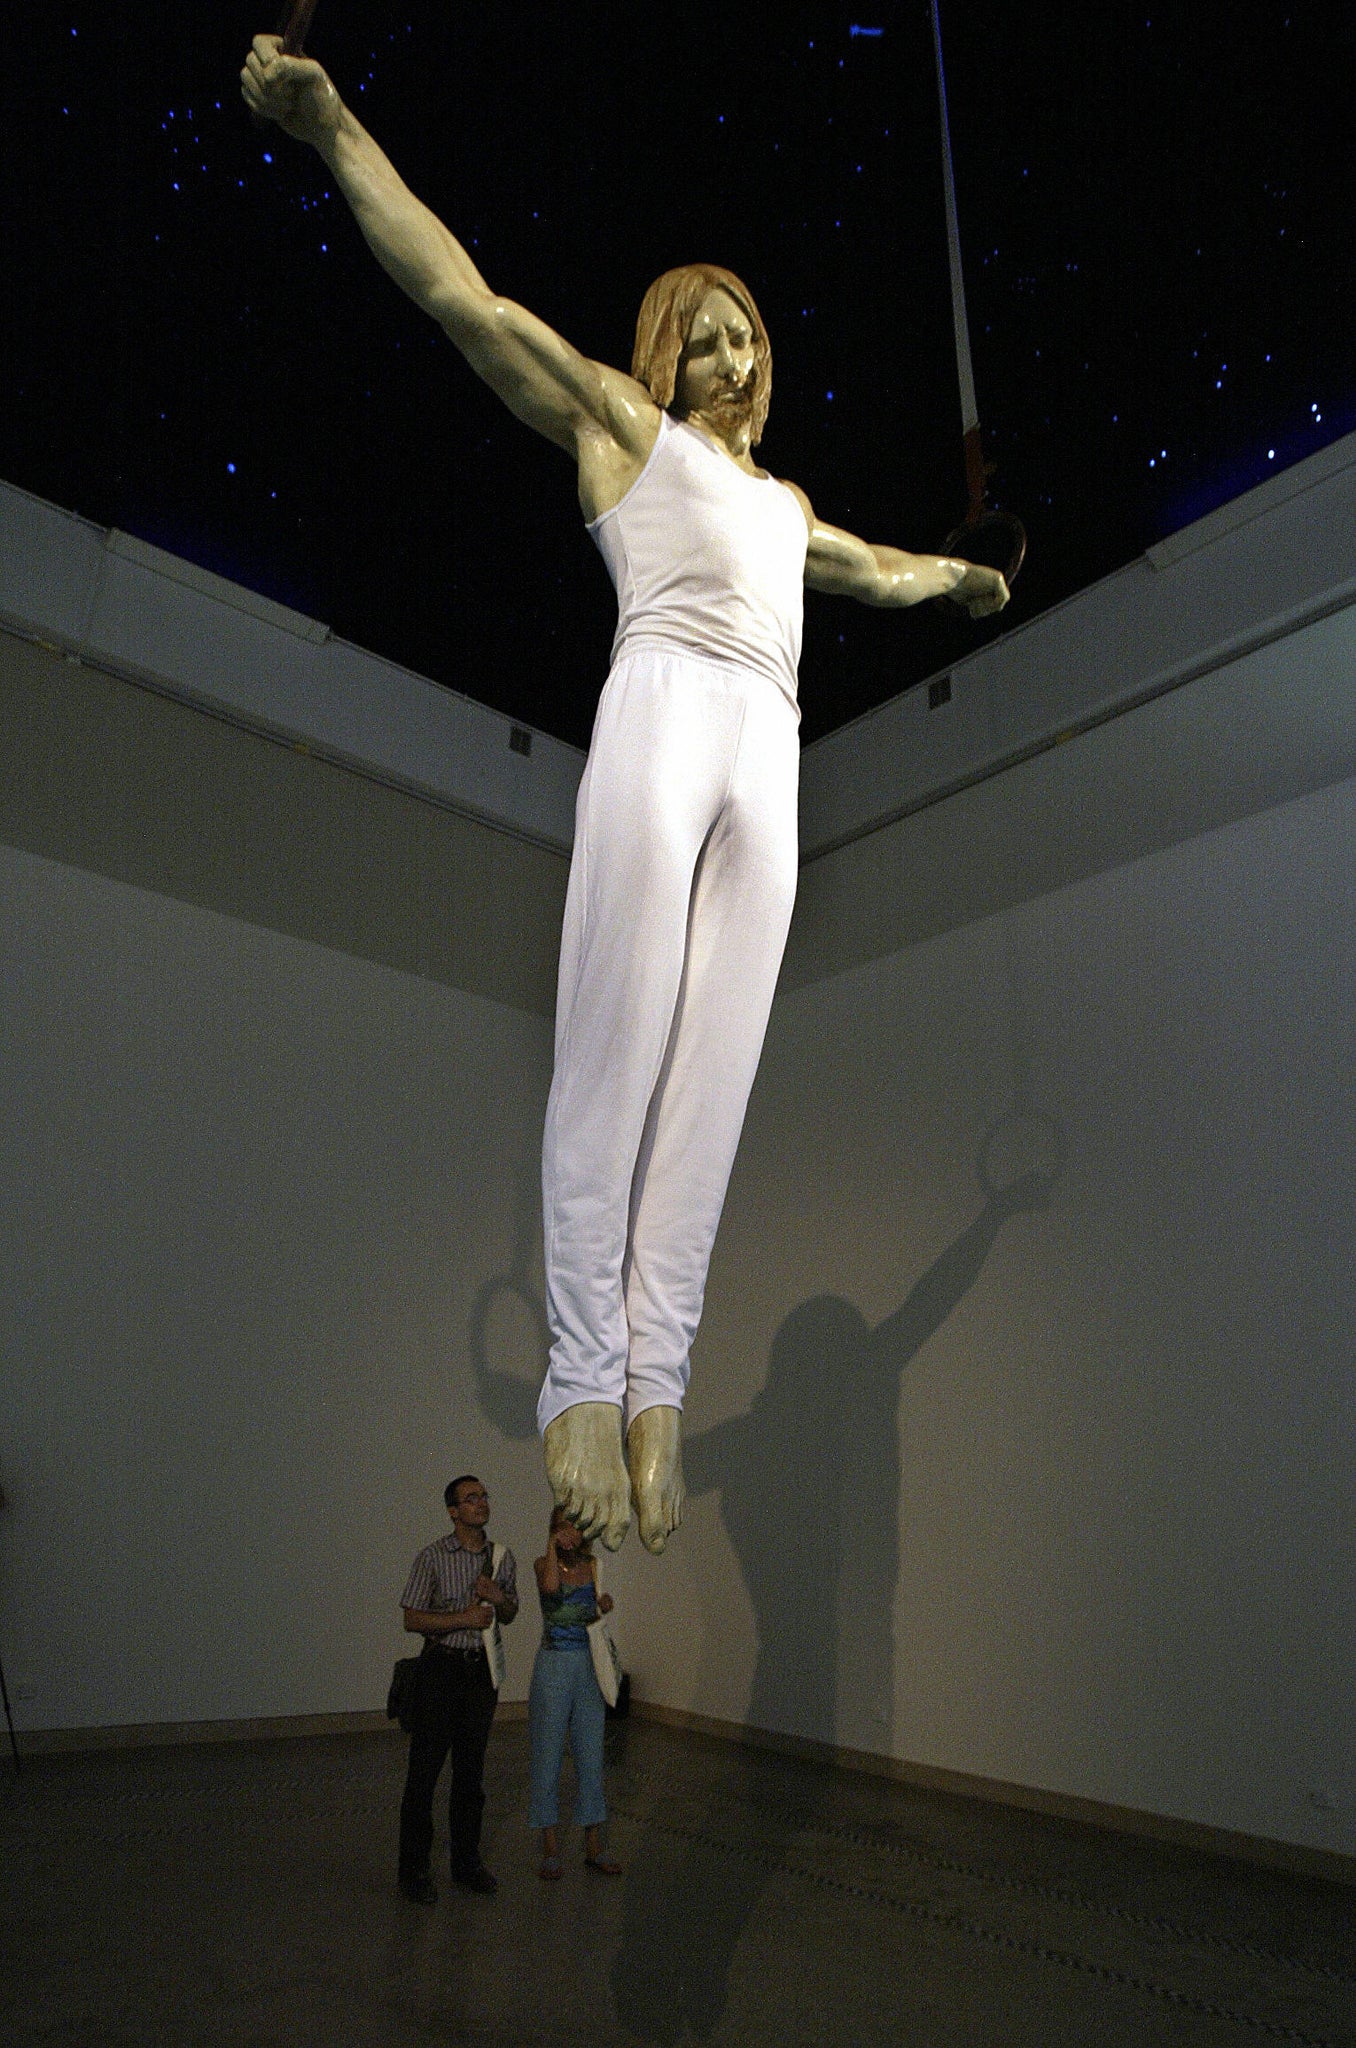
{"points": [[468, 1500]]}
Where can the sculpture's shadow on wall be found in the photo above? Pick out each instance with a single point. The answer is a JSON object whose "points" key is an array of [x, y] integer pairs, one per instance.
{"points": [[809, 1486]]}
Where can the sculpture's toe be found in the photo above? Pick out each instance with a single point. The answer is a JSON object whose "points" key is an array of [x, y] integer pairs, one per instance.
{"points": [[587, 1470], [654, 1455]]}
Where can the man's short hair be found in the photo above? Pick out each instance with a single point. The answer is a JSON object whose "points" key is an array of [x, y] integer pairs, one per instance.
{"points": [[667, 312], [450, 1490]]}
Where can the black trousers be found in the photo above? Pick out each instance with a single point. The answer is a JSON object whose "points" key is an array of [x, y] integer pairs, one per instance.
{"points": [[454, 1704]]}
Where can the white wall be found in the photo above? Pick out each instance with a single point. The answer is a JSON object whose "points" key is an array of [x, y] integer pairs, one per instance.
{"points": [[1055, 1490], [1263, 565], [1245, 576], [254, 1188], [131, 609]]}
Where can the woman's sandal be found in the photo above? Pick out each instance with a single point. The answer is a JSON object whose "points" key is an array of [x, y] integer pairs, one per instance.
{"points": [[550, 1867], [602, 1866]]}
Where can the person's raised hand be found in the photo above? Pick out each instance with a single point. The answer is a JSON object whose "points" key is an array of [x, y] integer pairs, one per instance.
{"points": [[293, 91]]}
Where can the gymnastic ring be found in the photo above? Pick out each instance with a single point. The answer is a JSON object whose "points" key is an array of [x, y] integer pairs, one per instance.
{"points": [[990, 525]]}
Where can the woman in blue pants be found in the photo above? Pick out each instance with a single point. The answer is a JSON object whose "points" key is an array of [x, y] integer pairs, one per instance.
{"points": [[564, 1703]]}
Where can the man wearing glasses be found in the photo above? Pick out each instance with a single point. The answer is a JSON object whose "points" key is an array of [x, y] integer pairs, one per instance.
{"points": [[458, 1592]]}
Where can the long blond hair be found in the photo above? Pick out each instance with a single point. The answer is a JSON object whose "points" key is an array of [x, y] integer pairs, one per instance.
{"points": [[665, 319]]}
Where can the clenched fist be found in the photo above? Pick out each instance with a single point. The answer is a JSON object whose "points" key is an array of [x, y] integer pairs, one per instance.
{"points": [[980, 591], [293, 91]]}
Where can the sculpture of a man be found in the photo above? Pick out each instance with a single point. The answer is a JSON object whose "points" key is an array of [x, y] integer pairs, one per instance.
{"points": [[684, 865]]}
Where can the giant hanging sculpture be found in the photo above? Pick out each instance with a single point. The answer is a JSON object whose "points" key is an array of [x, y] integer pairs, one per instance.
{"points": [[685, 859]]}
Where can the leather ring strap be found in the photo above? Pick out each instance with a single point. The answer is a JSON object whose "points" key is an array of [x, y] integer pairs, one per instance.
{"points": [[295, 25], [1003, 534]]}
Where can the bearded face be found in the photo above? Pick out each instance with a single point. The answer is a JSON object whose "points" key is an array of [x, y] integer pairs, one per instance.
{"points": [[716, 374]]}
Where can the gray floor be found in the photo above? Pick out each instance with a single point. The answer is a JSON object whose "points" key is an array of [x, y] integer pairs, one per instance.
{"points": [[240, 1896]]}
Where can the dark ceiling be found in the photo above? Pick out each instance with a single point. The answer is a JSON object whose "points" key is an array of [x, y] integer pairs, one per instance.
{"points": [[1158, 232]]}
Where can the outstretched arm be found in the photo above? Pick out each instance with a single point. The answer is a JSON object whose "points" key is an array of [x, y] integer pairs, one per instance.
{"points": [[843, 566], [539, 376]]}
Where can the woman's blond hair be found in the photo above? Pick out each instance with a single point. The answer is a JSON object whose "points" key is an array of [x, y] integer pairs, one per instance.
{"points": [[665, 320]]}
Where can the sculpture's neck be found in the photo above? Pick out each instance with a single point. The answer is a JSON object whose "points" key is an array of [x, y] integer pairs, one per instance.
{"points": [[733, 438]]}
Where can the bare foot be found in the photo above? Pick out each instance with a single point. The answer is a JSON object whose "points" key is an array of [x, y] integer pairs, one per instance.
{"points": [[587, 1471], [654, 1452]]}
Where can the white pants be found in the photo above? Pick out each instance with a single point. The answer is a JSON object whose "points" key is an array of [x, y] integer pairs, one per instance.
{"points": [[680, 894]]}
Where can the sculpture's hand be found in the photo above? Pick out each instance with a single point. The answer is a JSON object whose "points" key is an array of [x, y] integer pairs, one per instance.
{"points": [[980, 590], [293, 91]]}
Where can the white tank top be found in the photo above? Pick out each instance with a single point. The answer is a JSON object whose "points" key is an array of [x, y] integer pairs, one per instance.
{"points": [[707, 557]]}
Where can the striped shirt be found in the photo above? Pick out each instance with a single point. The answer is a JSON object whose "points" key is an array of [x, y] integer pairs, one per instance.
{"points": [[442, 1581]]}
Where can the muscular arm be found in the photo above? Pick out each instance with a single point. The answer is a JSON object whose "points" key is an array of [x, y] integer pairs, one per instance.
{"points": [[580, 405], [841, 565]]}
